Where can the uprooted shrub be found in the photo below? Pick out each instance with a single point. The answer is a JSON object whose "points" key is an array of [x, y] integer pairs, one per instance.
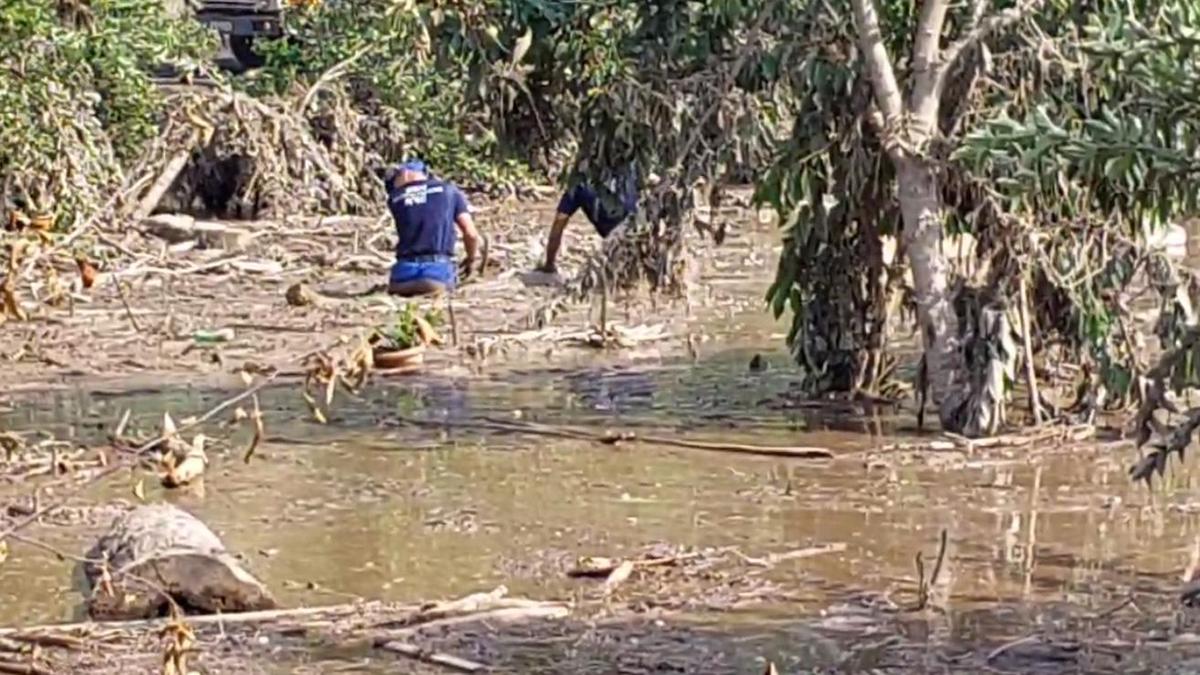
{"points": [[77, 105]]}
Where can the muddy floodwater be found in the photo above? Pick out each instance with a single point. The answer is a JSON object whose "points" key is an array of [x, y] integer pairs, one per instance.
{"points": [[373, 505]]}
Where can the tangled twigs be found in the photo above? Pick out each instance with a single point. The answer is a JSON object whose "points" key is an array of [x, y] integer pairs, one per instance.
{"points": [[178, 641], [130, 459], [1176, 369], [924, 584], [327, 371]]}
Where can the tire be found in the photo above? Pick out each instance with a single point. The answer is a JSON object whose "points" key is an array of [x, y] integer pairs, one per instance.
{"points": [[242, 47]]}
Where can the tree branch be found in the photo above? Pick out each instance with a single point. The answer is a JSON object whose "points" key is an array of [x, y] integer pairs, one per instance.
{"points": [[879, 64], [982, 28], [926, 86]]}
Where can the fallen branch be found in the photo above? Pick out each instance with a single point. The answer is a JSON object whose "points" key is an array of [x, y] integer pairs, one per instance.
{"points": [[437, 658], [925, 585], [135, 455], [954, 442], [534, 610], [773, 558], [797, 452], [264, 616], [23, 668], [604, 567]]}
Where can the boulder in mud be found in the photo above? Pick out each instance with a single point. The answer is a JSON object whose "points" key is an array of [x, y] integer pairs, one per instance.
{"points": [[180, 228], [159, 554]]}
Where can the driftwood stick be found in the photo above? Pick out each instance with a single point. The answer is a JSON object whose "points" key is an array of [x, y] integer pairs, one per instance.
{"points": [[166, 178], [23, 668], [437, 658], [125, 301], [540, 610], [1035, 400], [603, 567], [798, 452], [263, 616]]}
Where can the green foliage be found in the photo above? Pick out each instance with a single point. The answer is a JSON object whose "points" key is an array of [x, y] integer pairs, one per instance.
{"points": [[404, 332], [1060, 141], [442, 73], [1107, 152], [76, 99]]}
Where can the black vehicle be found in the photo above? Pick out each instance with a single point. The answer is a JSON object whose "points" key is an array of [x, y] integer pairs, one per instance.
{"points": [[241, 22]]}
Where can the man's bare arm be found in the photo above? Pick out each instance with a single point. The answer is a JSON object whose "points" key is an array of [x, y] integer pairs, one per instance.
{"points": [[470, 236]]}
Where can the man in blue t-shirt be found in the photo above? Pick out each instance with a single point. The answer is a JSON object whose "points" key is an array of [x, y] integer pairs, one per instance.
{"points": [[429, 214], [605, 211]]}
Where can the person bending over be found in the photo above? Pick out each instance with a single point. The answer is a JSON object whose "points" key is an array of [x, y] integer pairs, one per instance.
{"points": [[429, 214], [605, 211]]}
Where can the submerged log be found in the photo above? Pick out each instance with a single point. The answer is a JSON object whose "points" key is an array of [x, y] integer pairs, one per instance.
{"points": [[159, 550]]}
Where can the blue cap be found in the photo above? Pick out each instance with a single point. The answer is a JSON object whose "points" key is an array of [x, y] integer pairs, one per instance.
{"points": [[414, 165]]}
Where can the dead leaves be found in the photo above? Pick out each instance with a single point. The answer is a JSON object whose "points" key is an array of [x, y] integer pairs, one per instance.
{"points": [[426, 333], [87, 272], [179, 472], [3, 551], [179, 641], [324, 372], [259, 431]]}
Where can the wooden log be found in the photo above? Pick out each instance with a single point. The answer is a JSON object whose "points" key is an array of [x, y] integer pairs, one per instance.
{"points": [[159, 554]]}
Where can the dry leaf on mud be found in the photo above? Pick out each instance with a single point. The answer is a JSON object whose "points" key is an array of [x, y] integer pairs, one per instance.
{"points": [[330, 387], [190, 468], [87, 272], [259, 431], [179, 641], [618, 576], [312, 405], [139, 490], [3, 551], [168, 429]]}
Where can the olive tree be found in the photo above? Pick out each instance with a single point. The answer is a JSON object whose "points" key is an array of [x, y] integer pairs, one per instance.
{"points": [[1055, 133]]}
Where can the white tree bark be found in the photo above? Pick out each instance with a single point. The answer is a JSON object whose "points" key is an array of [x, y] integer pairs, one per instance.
{"points": [[919, 190]]}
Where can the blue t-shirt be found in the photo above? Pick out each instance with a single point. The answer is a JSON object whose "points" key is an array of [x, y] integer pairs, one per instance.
{"points": [[425, 213]]}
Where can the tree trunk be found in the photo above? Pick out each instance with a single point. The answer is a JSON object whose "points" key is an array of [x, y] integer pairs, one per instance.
{"points": [[155, 551], [920, 205]]}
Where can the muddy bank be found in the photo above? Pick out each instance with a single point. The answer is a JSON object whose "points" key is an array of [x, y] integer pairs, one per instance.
{"points": [[140, 321]]}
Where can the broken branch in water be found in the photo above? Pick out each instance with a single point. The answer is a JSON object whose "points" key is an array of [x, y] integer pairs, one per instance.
{"points": [[797, 452], [604, 567], [771, 559], [136, 454], [925, 585]]}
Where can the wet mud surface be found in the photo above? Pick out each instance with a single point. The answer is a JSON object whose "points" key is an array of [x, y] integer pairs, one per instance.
{"points": [[1054, 560]]}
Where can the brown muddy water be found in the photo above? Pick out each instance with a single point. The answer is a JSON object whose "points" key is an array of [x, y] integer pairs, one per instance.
{"points": [[366, 507]]}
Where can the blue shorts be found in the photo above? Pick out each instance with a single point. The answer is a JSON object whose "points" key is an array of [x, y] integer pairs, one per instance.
{"points": [[581, 197], [440, 269]]}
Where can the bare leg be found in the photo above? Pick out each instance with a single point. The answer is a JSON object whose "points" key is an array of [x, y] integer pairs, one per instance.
{"points": [[555, 242], [416, 287]]}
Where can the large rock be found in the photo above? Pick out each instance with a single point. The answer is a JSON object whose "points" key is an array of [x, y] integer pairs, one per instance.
{"points": [[179, 228], [160, 550]]}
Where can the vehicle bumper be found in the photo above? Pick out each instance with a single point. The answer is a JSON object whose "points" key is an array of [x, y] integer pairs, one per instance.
{"points": [[243, 24]]}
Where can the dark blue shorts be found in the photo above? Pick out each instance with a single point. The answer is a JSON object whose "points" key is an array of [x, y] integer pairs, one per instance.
{"points": [[439, 269], [582, 197]]}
